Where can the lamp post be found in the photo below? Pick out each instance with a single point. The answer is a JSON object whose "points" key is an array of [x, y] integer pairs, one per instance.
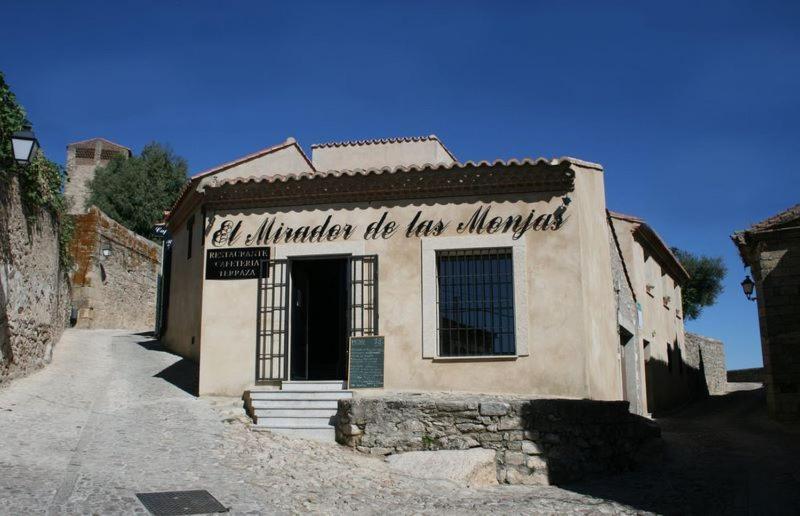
{"points": [[24, 144], [747, 286]]}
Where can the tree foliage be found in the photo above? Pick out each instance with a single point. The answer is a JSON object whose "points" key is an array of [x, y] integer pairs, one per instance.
{"points": [[12, 117], [40, 181], [136, 191], [705, 284]]}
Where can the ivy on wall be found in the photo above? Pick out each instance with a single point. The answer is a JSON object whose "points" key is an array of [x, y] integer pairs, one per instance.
{"points": [[40, 181]]}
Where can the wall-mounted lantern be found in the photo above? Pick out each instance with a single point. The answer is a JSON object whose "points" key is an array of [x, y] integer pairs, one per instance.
{"points": [[105, 249], [24, 144], [747, 286]]}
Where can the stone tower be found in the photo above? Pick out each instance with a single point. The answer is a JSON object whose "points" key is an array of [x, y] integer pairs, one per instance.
{"points": [[83, 158]]}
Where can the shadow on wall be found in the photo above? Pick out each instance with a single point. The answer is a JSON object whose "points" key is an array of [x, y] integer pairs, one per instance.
{"points": [[183, 374], [751, 375], [588, 438], [674, 383], [6, 352]]}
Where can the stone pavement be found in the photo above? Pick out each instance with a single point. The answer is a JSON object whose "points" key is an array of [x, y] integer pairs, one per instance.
{"points": [[111, 416]]}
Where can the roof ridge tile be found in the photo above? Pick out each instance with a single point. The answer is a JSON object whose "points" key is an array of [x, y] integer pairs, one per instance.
{"points": [[376, 141]]}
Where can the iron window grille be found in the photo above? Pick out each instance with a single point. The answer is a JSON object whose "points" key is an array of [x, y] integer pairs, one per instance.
{"points": [[363, 296], [272, 325], [475, 302]]}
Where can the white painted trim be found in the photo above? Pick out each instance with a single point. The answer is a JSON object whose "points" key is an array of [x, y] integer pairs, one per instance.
{"points": [[314, 249], [429, 247]]}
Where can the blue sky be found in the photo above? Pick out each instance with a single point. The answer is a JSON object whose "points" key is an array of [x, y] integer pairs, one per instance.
{"points": [[693, 108]]}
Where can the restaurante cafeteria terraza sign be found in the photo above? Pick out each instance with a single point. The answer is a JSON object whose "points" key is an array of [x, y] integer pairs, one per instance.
{"points": [[233, 264], [272, 230]]}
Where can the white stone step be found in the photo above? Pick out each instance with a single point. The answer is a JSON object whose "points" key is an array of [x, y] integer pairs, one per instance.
{"points": [[327, 385], [291, 404], [293, 412], [294, 422], [299, 395], [316, 434]]}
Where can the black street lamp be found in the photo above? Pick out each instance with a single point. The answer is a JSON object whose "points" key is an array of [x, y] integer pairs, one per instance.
{"points": [[25, 144], [747, 287]]}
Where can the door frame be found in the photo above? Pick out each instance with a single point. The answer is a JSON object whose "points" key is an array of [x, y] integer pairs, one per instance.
{"points": [[290, 288]]}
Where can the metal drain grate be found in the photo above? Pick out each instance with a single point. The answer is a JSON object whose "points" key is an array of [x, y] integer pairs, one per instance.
{"points": [[173, 503]]}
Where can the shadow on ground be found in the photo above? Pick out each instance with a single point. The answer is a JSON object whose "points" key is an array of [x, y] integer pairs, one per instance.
{"points": [[183, 374], [722, 455]]}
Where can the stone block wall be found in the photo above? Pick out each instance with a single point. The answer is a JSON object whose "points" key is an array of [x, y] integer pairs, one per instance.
{"points": [[777, 275], [706, 358], [34, 292], [536, 441], [115, 278]]}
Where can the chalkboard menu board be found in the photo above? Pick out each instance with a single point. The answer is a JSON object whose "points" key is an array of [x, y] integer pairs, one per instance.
{"points": [[234, 264], [366, 362]]}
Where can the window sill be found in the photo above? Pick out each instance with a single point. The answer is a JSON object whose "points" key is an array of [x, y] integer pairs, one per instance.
{"points": [[480, 358]]}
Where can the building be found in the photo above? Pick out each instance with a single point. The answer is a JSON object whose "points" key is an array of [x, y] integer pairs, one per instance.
{"points": [[771, 248], [677, 369], [479, 277], [115, 274], [83, 158]]}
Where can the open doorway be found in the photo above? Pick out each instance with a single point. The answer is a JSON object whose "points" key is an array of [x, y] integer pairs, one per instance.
{"points": [[319, 318]]}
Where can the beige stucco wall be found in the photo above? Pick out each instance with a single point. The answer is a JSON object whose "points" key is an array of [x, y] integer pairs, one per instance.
{"points": [[377, 155], [571, 341], [662, 325], [598, 310], [183, 335]]}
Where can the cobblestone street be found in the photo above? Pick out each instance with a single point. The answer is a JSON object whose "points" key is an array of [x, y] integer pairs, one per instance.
{"points": [[101, 423], [111, 416]]}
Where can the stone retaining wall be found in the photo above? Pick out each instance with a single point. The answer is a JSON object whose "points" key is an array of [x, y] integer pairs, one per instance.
{"points": [[34, 292], [540, 441], [115, 278], [706, 356], [751, 375]]}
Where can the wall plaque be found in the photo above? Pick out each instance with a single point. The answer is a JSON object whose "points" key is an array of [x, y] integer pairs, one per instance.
{"points": [[366, 363], [235, 263]]}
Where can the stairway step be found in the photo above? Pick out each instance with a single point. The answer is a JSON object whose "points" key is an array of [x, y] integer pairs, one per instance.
{"points": [[332, 385], [315, 434], [299, 395], [294, 412], [295, 404], [294, 422]]}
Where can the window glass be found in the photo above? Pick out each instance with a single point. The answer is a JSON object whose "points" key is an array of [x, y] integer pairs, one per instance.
{"points": [[475, 301]]}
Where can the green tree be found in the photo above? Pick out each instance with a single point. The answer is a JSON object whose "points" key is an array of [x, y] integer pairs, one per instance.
{"points": [[11, 118], [136, 191], [705, 283], [39, 181]]}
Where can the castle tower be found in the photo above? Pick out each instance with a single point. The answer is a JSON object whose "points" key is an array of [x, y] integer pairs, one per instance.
{"points": [[83, 158]]}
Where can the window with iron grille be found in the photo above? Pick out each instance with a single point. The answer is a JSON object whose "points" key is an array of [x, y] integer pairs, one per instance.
{"points": [[475, 299]]}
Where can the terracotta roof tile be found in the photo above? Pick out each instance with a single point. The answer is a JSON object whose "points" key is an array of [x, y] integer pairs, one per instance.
{"points": [[379, 141], [104, 140], [783, 217], [380, 171]]}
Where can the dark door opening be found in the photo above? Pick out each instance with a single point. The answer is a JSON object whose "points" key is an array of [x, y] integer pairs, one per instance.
{"points": [[319, 319]]}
